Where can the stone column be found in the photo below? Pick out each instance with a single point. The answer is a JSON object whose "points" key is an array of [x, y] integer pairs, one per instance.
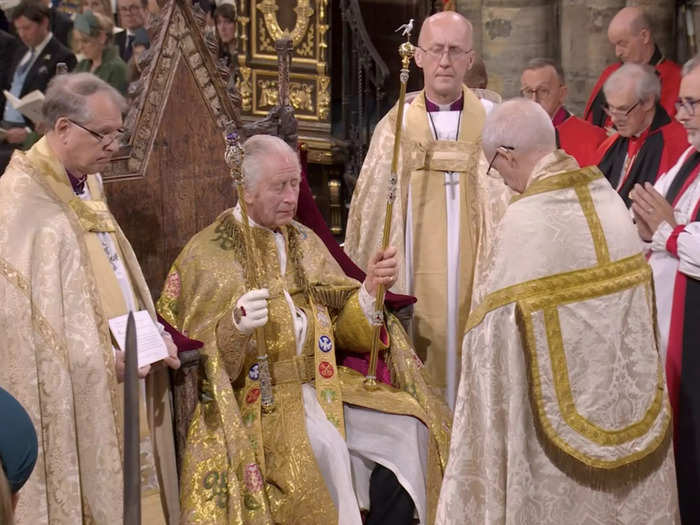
{"points": [[515, 31], [585, 50]]}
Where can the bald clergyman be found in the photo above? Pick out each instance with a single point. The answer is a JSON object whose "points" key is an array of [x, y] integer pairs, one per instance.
{"points": [[562, 415], [630, 33], [445, 208]]}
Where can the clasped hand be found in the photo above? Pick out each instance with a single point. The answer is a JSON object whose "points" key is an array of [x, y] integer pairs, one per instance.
{"points": [[650, 209]]}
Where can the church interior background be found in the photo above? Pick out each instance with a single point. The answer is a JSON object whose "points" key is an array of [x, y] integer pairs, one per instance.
{"points": [[340, 76]]}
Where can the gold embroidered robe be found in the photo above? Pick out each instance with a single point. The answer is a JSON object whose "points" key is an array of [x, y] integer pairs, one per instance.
{"points": [[58, 291], [245, 466], [562, 414], [422, 164]]}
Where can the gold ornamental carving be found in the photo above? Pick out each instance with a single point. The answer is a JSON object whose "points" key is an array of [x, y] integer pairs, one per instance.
{"points": [[324, 97], [268, 93], [300, 95], [303, 10], [245, 87], [265, 43]]}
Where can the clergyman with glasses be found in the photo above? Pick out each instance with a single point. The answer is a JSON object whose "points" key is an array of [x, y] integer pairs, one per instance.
{"points": [[648, 141], [445, 210], [562, 414], [66, 270], [542, 80], [668, 219]]}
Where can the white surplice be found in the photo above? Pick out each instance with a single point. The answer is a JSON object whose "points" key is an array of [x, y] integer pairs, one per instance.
{"points": [[664, 264]]}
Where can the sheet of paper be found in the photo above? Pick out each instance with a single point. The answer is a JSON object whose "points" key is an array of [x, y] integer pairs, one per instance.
{"points": [[151, 347]]}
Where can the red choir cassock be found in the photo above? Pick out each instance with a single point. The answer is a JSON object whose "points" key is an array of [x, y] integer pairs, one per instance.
{"points": [[669, 73], [577, 137], [626, 161]]}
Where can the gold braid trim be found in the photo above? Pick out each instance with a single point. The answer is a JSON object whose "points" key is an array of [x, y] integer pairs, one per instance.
{"points": [[580, 177], [296, 258], [562, 281], [334, 297], [599, 243]]}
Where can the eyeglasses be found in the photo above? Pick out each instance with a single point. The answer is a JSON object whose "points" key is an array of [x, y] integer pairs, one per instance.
{"points": [[509, 148], [620, 112], [537, 94], [453, 52], [106, 139], [688, 104]]}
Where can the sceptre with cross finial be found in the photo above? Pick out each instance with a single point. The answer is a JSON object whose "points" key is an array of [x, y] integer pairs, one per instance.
{"points": [[406, 51]]}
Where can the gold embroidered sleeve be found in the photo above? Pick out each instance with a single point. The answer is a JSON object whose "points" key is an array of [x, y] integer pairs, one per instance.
{"points": [[352, 329], [231, 344]]}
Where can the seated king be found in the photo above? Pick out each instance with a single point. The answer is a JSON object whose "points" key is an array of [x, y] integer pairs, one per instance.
{"points": [[313, 444]]}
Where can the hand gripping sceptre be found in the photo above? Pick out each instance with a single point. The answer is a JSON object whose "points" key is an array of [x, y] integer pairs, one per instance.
{"points": [[234, 160], [406, 51]]}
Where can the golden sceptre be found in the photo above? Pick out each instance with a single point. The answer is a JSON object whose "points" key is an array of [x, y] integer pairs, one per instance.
{"points": [[406, 51], [234, 160]]}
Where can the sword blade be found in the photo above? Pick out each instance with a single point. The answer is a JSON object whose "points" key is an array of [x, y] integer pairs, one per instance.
{"points": [[132, 466]]}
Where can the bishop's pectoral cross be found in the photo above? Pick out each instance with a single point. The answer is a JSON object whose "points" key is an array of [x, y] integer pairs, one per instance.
{"points": [[452, 182]]}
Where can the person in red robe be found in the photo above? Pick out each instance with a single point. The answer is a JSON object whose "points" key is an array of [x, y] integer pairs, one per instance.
{"points": [[668, 219], [630, 32], [648, 142], [543, 81]]}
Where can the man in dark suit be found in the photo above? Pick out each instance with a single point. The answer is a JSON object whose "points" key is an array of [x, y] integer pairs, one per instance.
{"points": [[32, 68], [61, 25], [8, 48], [132, 15]]}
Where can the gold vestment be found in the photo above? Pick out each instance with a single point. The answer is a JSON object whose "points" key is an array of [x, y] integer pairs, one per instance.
{"points": [[245, 466], [562, 414], [422, 164], [59, 291]]}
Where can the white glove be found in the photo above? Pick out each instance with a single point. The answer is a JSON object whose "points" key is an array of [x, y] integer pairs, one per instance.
{"points": [[251, 310]]}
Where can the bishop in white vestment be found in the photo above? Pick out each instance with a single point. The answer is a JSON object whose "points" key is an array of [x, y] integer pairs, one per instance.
{"points": [[446, 209], [562, 414]]}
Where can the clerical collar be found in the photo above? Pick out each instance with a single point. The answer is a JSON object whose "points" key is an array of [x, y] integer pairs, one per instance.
{"points": [[457, 105], [560, 116], [78, 183], [657, 57]]}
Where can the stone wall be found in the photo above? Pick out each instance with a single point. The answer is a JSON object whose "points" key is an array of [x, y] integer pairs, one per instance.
{"points": [[508, 33]]}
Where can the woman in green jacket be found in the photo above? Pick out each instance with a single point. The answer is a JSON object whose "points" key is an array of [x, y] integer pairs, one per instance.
{"points": [[93, 35]]}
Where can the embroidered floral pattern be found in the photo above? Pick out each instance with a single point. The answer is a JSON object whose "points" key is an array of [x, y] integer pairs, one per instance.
{"points": [[253, 478], [172, 285]]}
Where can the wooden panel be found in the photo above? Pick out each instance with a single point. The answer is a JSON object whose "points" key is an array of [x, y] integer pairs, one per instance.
{"points": [[186, 184]]}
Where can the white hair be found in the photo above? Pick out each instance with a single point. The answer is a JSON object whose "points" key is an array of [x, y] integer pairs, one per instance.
{"points": [[646, 81], [518, 123], [691, 64], [257, 151]]}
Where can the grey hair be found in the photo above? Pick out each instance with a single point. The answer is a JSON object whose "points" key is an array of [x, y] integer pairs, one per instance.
{"points": [[691, 64], [646, 81], [539, 63], [519, 123], [257, 151], [67, 96]]}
